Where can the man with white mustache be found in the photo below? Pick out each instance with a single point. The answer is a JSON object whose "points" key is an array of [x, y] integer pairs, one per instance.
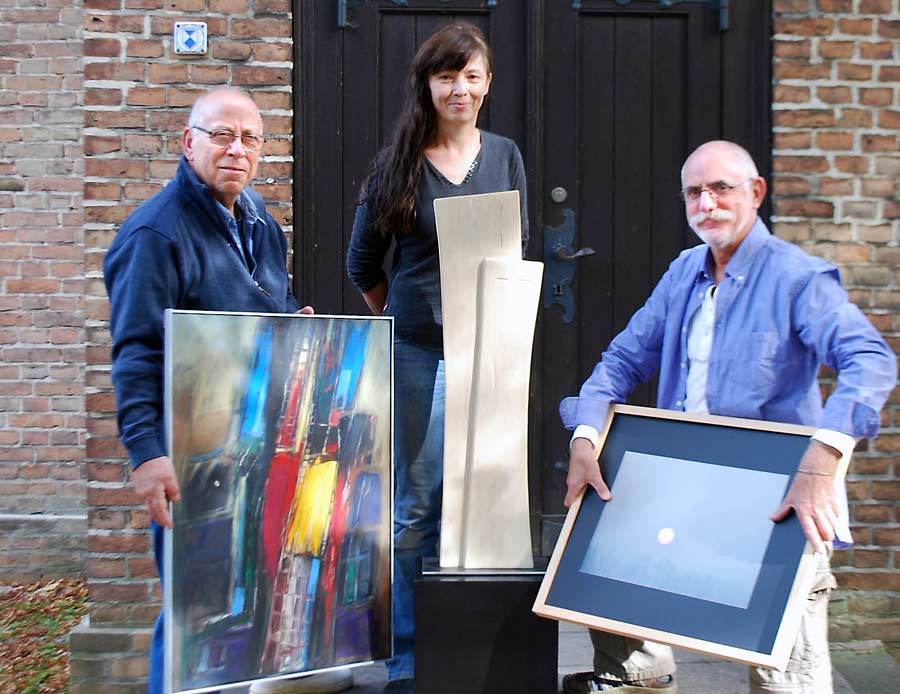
{"points": [[738, 326]]}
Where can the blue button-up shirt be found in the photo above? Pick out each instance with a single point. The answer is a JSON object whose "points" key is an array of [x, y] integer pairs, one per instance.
{"points": [[780, 313], [241, 239]]}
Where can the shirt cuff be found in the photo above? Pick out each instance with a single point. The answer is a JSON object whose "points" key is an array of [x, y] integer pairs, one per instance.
{"points": [[844, 443], [586, 431]]}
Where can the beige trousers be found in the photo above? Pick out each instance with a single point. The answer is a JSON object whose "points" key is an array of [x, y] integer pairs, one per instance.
{"points": [[808, 670]]}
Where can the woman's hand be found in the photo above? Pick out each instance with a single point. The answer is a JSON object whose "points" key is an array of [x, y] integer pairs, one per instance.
{"points": [[376, 297]]}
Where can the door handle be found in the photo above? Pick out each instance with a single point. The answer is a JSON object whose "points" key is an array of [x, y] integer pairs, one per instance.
{"points": [[562, 253], [559, 265]]}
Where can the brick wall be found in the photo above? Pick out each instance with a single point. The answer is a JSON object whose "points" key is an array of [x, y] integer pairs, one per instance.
{"points": [[837, 124], [837, 190], [42, 498], [137, 94]]}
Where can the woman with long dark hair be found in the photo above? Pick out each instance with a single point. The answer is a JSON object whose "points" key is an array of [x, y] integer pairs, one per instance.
{"points": [[436, 151]]}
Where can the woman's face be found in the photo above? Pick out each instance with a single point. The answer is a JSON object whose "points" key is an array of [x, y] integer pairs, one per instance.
{"points": [[457, 95]]}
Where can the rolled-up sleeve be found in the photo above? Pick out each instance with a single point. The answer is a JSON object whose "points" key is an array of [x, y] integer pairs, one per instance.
{"points": [[844, 339], [366, 252]]}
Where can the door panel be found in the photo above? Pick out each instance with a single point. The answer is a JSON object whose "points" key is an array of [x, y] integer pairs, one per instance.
{"points": [[629, 92], [353, 84], [605, 98]]}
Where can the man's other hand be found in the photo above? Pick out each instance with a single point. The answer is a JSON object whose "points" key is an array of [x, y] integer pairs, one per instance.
{"points": [[811, 496], [155, 483], [306, 311], [584, 470]]}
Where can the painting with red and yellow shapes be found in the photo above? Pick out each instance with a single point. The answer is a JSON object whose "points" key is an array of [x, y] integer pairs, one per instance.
{"points": [[279, 559]]}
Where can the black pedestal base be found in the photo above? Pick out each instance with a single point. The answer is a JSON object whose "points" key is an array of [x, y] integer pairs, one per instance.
{"points": [[475, 632]]}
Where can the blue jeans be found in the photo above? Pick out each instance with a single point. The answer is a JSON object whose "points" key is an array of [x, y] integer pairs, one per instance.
{"points": [[157, 644], [418, 475], [157, 651]]}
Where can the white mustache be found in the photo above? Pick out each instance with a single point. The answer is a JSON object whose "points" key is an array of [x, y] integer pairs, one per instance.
{"points": [[716, 215]]}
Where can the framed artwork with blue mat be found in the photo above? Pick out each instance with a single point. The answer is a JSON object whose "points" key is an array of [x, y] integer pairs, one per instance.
{"points": [[279, 561], [685, 553]]}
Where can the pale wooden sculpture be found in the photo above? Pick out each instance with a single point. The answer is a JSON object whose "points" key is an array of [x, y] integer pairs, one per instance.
{"points": [[470, 229], [495, 529]]}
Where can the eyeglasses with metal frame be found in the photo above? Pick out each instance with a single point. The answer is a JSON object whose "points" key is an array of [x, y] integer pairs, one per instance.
{"points": [[224, 138], [718, 189]]}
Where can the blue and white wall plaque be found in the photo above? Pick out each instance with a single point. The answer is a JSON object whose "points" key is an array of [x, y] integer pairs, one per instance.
{"points": [[190, 38]]}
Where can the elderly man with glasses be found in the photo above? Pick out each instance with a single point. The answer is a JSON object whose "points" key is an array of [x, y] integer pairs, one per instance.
{"points": [[738, 326], [205, 242]]}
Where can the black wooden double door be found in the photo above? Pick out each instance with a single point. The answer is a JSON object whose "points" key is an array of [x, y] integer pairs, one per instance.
{"points": [[605, 99]]}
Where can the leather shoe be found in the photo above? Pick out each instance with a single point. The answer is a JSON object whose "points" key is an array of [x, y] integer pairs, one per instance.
{"points": [[586, 682]]}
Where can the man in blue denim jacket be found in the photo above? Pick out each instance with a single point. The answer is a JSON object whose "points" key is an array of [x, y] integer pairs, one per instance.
{"points": [[738, 326], [204, 243]]}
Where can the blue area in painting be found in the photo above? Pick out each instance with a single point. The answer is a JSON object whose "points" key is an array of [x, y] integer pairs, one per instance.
{"points": [[352, 363], [357, 561], [358, 552], [352, 632], [753, 628], [357, 443], [366, 500], [210, 563], [308, 612], [253, 424]]}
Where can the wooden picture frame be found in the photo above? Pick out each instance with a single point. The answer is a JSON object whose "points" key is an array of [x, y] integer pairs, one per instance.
{"points": [[689, 557]]}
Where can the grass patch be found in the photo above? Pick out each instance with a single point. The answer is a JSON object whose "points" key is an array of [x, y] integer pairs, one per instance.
{"points": [[35, 620]]}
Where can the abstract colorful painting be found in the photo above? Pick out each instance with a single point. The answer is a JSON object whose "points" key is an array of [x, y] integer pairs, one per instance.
{"points": [[280, 432]]}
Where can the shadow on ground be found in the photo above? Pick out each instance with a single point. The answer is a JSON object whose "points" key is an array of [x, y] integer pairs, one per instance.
{"points": [[865, 668]]}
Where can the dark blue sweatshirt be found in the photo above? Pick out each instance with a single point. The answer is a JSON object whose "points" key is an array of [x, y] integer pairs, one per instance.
{"points": [[175, 251]]}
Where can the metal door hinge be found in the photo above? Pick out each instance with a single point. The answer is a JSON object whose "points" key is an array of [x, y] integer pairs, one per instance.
{"points": [[344, 22], [721, 6]]}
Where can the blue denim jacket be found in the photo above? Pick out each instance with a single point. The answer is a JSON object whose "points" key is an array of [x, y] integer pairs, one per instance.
{"points": [[780, 313], [176, 251]]}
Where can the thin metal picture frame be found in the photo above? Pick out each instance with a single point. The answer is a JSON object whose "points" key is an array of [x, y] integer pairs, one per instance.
{"points": [[762, 632], [305, 401]]}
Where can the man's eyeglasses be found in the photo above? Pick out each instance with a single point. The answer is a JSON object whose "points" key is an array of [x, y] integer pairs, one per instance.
{"points": [[718, 189], [224, 138]]}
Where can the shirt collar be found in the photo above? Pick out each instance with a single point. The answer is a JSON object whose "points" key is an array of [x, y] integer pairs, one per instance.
{"points": [[740, 263], [245, 204], [244, 200]]}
